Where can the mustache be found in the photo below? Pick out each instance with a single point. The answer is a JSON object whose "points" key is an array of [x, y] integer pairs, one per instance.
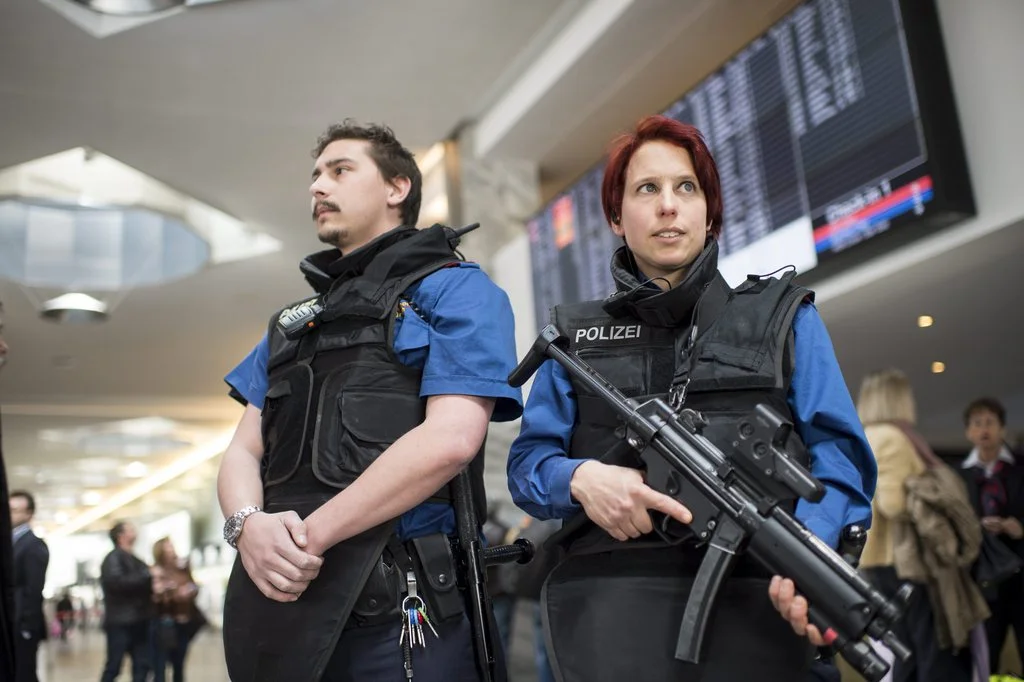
{"points": [[330, 205]]}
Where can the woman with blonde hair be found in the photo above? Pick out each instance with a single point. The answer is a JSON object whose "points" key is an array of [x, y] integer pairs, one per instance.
{"points": [[920, 533], [177, 619]]}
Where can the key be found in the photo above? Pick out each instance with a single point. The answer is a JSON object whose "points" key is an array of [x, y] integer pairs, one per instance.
{"points": [[425, 619], [414, 618], [419, 629], [405, 632], [408, 634]]}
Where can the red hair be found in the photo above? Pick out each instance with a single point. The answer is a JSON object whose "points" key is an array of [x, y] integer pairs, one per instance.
{"points": [[669, 130]]}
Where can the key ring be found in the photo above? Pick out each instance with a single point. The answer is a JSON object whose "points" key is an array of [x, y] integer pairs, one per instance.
{"points": [[409, 598]]}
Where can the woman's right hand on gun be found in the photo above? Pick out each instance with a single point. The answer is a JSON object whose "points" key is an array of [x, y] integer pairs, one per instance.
{"points": [[617, 499]]}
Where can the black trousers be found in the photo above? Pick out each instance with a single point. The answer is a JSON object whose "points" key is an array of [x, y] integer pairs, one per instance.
{"points": [[917, 630], [373, 653], [1007, 609], [25, 651]]}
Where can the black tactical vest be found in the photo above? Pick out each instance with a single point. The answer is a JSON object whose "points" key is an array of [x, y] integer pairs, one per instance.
{"points": [[739, 355], [337, 394]]}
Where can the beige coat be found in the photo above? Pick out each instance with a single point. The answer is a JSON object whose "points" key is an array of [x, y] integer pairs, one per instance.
{"points": [[924, 526], [897, 461]]}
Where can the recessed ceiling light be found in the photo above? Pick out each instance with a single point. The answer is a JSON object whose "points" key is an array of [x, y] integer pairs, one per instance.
{"points": [[938, 367], [925, 321], [129, 7], [91, 498], [136, 470], [60, 517], [75, 308]]}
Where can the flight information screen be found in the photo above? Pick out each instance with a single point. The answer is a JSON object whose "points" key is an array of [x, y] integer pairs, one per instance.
{"points": [[822, 131]]}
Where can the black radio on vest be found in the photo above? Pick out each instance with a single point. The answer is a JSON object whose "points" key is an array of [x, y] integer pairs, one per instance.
{"points": [[304, 317]]}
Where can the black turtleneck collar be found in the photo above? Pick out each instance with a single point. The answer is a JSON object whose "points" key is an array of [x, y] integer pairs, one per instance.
{"points": [[642, 300], [324, 267]]}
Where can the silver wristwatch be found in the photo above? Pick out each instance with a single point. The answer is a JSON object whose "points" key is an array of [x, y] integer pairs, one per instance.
{"points": [[233, 524]]}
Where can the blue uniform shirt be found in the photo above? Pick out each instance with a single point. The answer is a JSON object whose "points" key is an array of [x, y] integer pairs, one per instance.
{"points": [[464, 346], [539, 469]]}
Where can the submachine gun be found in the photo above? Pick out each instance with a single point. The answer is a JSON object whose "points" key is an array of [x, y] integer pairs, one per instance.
{"points": [[470, 554], [735, 497], [473, 558]]}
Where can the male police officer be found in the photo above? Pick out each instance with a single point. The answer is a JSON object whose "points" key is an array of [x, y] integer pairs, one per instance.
{"points": [[362, 403], [676, 329]]}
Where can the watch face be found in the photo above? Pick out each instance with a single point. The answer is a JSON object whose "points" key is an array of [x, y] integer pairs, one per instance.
{"points": [[233, 525]]}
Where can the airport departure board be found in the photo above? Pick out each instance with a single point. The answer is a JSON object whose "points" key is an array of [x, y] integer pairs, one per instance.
{"points": [[830, 130]]}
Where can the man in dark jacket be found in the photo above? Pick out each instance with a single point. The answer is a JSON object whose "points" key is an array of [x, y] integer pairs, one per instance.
{"points": [[995, 484], [6, 562], [128, 595], [31, 557]]}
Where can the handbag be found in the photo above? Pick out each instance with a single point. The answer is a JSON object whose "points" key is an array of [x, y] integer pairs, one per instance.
{"points": [[996, 564]]}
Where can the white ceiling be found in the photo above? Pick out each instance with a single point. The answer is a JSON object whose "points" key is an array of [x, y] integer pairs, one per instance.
{"points": [[223, 102]]}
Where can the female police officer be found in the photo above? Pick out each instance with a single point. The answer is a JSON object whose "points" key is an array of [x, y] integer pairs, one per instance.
{"points": [[614, 604]]}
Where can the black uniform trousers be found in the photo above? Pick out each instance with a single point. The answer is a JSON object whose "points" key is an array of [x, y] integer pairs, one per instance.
{"points": [[373, 653]]}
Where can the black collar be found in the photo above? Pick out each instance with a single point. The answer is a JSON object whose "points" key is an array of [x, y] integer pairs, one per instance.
{"points": [[324, 267], [671, 308]]}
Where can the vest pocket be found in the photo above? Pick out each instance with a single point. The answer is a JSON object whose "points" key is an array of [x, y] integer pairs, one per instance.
{"points": [[624, 369], [285, 419], [721, 367], [353, 430]]}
